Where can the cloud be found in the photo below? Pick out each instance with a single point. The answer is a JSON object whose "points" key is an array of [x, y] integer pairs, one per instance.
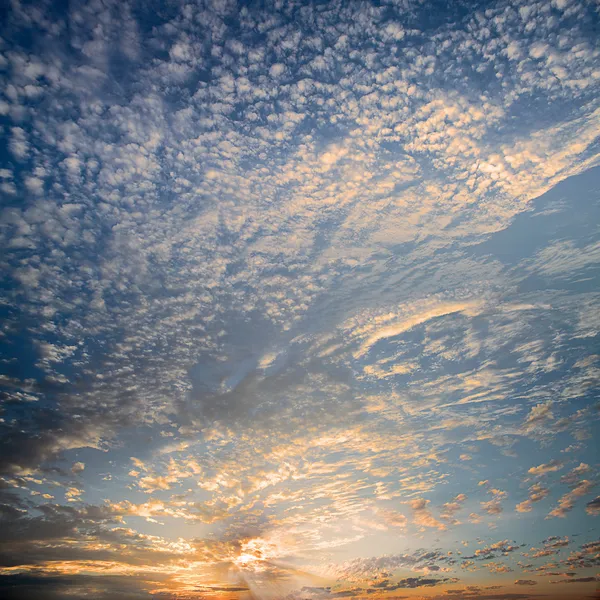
{"points": [[502, 547], [54, 433], [593, 506], [416, 582], [539, 414], [449, 509], [567, 501], [365, 569], [577, 580], [49, 586], [552, 466], [77, 467], [537, 493], [525, 582], [423, 517], [574, 475], [494, 506], [396, 328]]}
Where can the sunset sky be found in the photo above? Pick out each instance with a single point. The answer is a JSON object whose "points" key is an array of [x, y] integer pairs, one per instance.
{"points": [[300, 300]]}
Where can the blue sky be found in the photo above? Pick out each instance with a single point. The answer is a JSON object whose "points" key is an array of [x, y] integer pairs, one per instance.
{"points": [[299, 300]]}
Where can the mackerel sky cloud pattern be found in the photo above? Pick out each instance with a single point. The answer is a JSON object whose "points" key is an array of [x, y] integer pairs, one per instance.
{"points": [[300, 300]]}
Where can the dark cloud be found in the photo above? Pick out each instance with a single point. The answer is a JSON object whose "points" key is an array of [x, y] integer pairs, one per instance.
{"points": [[593, 506], [66, 533], [416, 582], [577, 580], [229, 588], [51, 587]]}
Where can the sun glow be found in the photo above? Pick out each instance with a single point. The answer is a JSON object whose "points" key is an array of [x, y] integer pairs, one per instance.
{"points": [[255, 554]]}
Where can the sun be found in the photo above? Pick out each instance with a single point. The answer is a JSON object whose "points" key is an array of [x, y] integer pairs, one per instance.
{"points": [[255, 554]]}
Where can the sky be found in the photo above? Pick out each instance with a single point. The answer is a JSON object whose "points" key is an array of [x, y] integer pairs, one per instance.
{"points": [[299, 300]]}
